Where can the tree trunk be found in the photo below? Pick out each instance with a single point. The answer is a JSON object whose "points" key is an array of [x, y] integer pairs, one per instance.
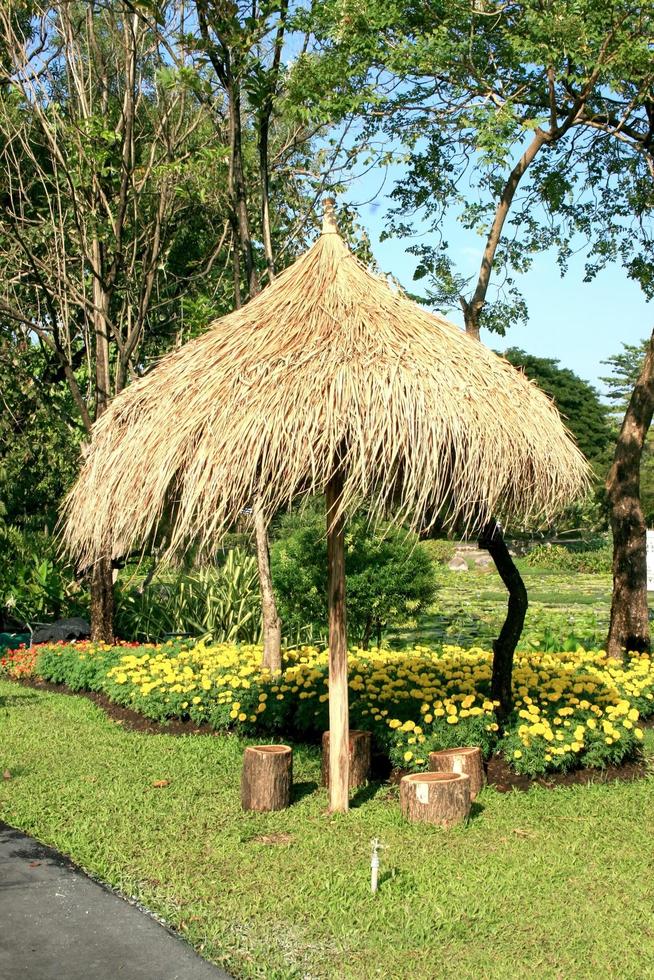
{"points": [[102, 584], [504, 646], [237, 184], [339, 763], [101, 333], [267, 777], [441, 798], [359, 756], [472, 308], [272, 627], [629, 625], [467, 760], [102, 601]]}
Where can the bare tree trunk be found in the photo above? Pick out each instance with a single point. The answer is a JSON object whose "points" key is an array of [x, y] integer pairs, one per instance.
{"points": [[101, 584], [102, 601], [629, 625], [505, 645], [272, 627], [339, 741]]}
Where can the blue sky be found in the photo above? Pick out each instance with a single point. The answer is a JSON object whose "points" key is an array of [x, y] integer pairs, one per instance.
{"points": [[578, 323]]}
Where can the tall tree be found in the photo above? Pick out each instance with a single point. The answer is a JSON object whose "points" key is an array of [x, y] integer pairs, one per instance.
{"points": [[236, 54], [538, 118], [577, 401], [91, 146]]}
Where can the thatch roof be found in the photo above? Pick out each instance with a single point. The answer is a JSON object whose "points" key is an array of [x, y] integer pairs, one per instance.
{"points": [[328, 363]]}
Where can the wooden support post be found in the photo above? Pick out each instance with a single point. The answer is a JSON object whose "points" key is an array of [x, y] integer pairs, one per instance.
{"points": [[467, 760], [338, 691], [435, 797], [267, 777], [360, 754]]}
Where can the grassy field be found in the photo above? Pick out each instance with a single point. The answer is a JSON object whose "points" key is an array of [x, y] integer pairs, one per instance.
{"points": [[470, 608], [546, 884]]}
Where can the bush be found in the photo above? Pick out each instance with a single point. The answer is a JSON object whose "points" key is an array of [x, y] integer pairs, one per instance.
{"points": [[390, 577], [565, 559], [440, 550], [571, 710]]}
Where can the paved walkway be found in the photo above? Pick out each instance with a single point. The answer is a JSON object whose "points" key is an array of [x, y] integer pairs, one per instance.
{"points": [[58, 924]]}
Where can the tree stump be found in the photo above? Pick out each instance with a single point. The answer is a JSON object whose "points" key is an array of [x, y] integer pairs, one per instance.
{"points": [[467, 760], [360, 758], [435, 797], [267, 777]]}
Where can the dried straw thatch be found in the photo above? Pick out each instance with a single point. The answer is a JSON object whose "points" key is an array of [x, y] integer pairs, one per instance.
{"points": [[327, 364]]}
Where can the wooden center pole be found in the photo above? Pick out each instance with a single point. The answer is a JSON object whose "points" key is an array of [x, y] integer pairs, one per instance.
{"points": [[339, 762]]}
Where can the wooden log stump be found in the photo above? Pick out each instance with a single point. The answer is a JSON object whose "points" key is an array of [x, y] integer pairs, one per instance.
{"points": [[360, 758], [467, 760], [435, 797], [267, 777]]}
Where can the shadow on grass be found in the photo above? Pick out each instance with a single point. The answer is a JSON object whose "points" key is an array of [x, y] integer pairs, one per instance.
{"points": [[300, 790], [17, 700], [476, 810], [364, 793]]}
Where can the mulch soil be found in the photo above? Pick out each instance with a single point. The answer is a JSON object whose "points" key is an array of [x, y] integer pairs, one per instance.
{"points": [[499, 774]]}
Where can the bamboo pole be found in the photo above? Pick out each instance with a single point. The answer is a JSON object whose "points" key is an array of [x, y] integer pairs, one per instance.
{"points": [[339, 763]]}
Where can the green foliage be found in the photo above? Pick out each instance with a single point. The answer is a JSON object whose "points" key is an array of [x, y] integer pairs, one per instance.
{"points": [[35, 585], [440, 550], [460, 90], [221, 604], [81, 667], [39, 439], [593, 561], [625, 366], [576, 399], [389, 577]]}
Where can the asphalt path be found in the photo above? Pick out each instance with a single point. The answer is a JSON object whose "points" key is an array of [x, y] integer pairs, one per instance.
{"points": [[56, 923]]}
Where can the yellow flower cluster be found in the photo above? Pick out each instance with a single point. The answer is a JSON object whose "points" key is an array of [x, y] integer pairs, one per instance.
{"points": [[413, 700]]}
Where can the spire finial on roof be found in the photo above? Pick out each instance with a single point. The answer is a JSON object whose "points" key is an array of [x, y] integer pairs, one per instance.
{"points": [[329, 226]]}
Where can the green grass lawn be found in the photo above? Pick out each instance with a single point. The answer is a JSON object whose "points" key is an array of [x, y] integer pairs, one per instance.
{"points": [[470, 608], [545, 884]]}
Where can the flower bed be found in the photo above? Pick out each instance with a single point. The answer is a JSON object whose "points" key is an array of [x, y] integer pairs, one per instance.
{"points": [[572, 709]]}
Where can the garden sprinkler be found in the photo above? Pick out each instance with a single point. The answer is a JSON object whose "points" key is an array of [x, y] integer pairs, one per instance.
{"points": [[374, 864]]}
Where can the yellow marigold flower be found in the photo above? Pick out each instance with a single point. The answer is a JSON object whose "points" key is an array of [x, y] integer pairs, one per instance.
{"points": [[452, 720], [394, 723], [517, 754], [408, 756]]}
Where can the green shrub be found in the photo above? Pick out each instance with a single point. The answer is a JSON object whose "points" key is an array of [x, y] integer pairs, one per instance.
{"points": [[390, 577], [589, 561], [440, 550], [221, 604]]}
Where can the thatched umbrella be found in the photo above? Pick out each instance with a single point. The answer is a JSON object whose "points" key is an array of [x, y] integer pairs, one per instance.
{"points": [[328, 381]]}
